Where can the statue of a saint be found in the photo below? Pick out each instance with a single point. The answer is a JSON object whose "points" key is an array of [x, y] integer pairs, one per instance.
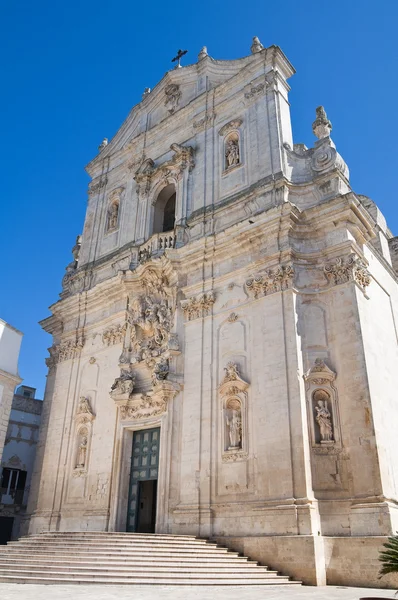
{"points": [[323, 418], [113, 216], [82, 454], [232, 153], [234, 424]]}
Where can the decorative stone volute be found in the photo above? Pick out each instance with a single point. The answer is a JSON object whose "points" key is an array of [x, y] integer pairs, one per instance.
{"points": [[321, 126]]}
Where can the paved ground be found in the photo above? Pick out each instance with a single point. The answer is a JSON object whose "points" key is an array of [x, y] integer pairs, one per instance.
{"points": [[11, 591]]}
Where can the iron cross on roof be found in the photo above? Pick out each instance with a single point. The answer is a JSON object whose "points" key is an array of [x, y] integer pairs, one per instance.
{"points": [[179, 56]]}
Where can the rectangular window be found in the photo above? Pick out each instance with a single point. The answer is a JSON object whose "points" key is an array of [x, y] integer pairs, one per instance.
{"points": [[13, 483]]}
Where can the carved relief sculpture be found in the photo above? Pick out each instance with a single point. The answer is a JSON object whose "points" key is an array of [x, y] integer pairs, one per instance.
{"points": [[272, 281], [323, 416], [83, 422], [234, 424], [113, 216], [232, 154], [82, 450], [233, 394], [173, 96], [323, 412], [351, 268], [198, 306]]}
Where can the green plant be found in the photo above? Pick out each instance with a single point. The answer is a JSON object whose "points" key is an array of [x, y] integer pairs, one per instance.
{"points": [[389, 557]]}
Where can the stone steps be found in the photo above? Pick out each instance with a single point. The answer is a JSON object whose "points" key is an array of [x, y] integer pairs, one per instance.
{"points": [[128, 558]]}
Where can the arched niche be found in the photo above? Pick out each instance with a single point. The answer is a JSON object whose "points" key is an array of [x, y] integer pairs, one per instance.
{"points": [[165, 210], [232, 150]]}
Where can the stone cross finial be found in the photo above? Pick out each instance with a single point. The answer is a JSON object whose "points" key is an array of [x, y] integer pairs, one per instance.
{"points": [[103, 144], [321, 126], [256, 45], [203, 53]]}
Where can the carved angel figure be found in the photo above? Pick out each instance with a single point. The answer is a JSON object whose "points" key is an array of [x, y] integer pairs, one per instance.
{"points": [[232, 153], [323, 418]]}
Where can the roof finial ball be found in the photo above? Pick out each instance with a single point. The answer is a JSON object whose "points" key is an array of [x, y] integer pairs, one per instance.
{"points": [[203, 53], [321, 126], [256, 45], [103, 144]]}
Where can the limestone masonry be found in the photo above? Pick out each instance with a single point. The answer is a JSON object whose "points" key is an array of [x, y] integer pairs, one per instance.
{"points": [[224, 359]]}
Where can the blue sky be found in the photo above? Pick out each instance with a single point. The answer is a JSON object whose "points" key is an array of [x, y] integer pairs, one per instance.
{"points": [[71, 71]]}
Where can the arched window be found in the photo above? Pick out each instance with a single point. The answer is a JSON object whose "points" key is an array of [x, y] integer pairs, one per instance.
{"points": [[165, 209]]}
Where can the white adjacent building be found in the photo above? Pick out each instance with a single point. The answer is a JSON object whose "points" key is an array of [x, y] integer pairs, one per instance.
{"points": [[10, 345], [224, 359], [16, 466]]}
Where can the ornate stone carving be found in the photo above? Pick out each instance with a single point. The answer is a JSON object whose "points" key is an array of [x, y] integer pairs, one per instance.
{"points": [[230, 126], [103, 144], [123, 386], [352, 268], [83, 422], [173, 95], [233, 419], [255, 91], [321, 126], [148, 406], [114, 335], [203, 53], [322, 405], [172, 170], [97, 185], [256, 45], [272, 281], [232, 151], [160, 371], [113, 216], [323, 416], [204, 122], [232, 318], [66, 350], [198, 306], [233, 393], [231, 372]]}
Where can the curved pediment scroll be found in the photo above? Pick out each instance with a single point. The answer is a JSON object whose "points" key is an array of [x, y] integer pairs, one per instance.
{"points": [[149, 176]]}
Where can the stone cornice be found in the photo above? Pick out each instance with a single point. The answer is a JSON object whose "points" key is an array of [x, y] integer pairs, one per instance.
{"points": [[14, 379]]}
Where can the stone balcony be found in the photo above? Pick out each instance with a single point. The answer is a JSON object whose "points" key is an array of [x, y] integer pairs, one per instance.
{"points": [[156, 245]]}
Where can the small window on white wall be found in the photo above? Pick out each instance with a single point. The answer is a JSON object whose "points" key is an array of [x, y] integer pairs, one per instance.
{"points": [[232, 151]]}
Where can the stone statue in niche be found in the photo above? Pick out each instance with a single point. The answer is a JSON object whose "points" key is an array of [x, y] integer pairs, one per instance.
{"points": [[113, 216], [323, 416], [232, 154], [82, 450], [234, 424]]}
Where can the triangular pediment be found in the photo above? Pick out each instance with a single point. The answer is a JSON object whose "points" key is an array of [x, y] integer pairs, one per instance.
{"points": [[178, 88]]}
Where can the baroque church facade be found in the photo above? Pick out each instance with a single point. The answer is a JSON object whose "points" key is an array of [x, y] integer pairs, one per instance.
{"points": [[224, 359]]}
